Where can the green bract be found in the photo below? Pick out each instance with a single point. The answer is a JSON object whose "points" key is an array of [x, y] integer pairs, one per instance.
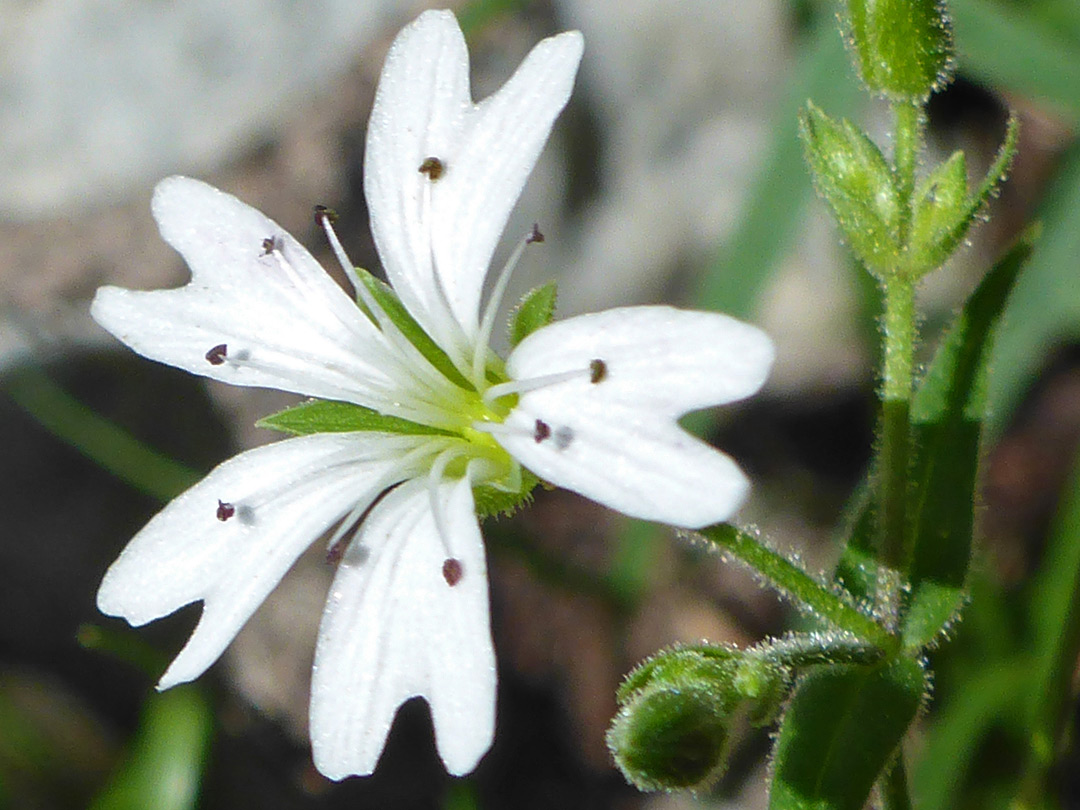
{"points": [[536, 309], [850, 172], [902, 48]]}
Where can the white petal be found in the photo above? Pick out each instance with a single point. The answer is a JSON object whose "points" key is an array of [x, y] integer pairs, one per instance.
{"points": [[627, 459], [486, 173], [292, 327], [666, 360], [284, 495], [423, 108], [616, 440], [394, 628]]}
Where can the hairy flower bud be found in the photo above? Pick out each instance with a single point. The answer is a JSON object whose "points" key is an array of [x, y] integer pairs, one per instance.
{"points": [[672, 738], [902, 48], [681, 708]]}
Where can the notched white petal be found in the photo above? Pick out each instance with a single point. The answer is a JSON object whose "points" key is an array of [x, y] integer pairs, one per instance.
{"points": [[436, 230], [407, 615], [229, 539], [662, 359]]}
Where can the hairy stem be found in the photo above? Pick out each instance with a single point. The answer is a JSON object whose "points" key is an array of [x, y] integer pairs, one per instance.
{"points": [[802, 588]]}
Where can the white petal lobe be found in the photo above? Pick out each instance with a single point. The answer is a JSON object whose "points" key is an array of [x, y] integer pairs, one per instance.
{"points": [[625, 458], [395, 627], [436, 236], [284, 322], [665, 360], [282, 497]]}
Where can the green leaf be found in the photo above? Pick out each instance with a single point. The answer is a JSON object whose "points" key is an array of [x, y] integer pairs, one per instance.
{"points": [[774, 204], [947, 414], [960, 727], [1054, 642], [536, 310], [164, 767], [328, 416], [100, 440], [388, 300], [840, 731], [854, 178], [857, 570]]}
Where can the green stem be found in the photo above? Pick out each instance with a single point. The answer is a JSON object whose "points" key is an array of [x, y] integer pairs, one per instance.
{"points": [[895, 445], [909, 123], [802, 588], [894, 789]]}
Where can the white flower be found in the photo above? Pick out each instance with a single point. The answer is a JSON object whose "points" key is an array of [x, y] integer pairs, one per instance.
{"points": [[424, 431]]}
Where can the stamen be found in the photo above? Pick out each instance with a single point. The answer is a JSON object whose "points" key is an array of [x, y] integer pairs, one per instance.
{"points": [[487, 323], [225, 511], [542, 432], [452, 571], [326, 218], [435, 477], [217, 355], [433, 168], [597, 371], [524, 386]]}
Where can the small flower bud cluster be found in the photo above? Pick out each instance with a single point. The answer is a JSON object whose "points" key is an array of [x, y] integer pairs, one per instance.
{"points": [[680, 708], [903, 51]]}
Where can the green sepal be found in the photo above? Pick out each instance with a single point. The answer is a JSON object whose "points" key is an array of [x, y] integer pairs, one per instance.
{"points": [[389, 302], [939, 226], [941, 199], [947, 413], [680, 665], [840, 731], [854, 178], [902, 48], [536, 310], [489, 501], [328, 416]]}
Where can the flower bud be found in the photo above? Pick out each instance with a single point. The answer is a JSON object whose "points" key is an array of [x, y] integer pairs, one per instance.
{"points": [[902, 48], [679, 711], [672, 738], [856, 181]]}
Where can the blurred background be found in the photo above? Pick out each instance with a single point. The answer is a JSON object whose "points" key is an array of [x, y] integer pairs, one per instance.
{"points": [[673, 176]]}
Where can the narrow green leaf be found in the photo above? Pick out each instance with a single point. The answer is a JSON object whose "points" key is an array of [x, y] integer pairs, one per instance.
{"points": [[536, 310], [840, 731], [960, 726], [165, 765], [947, 414], [328, 416], [857, 570], [97, 438], [1055, 643], [781, 189], [388, 299]]}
